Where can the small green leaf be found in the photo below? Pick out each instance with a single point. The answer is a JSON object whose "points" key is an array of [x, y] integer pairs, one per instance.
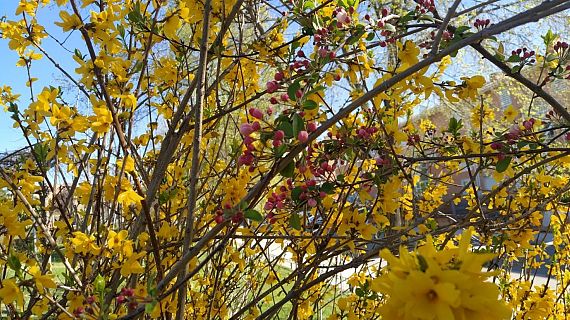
{"points": [[295, 221], [295, 193], [355, 36], [503, 164], [253, 215], [295, 45], [309, 5], [287, 129], [280, 151], [408, 17], [99, 284], [310, 105], [328, 187], [14, 263], [292, 90], [461, 29], [514, 58], [289, 170], [150, 306], [298, 124], [423, 263]]}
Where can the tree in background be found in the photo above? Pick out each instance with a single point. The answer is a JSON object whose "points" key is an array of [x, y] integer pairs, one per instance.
{"points": [[258, 160]]}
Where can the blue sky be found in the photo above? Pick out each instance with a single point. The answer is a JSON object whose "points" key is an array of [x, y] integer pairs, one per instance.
{"points": [[11, 75]]}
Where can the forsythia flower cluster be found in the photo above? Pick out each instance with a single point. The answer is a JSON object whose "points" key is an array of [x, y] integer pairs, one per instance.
{"points": [[431, 284]]}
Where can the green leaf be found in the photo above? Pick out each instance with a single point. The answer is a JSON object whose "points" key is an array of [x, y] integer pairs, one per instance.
{"points": [[292, 90], [41, 152], [503, 164], [514, 58], [359, 292], [408, 17], [289, 170], [370, 36], [298, 124], [355, 36], [242, 205], [549, 37], [280, 151], [521, 144], [295, 193], [295, 221], [99, 284], [287, 128], [342, 3], [353, 3], [310, 105], [461, 29], [308, 5], [14, 263], [454, 126], [423, 263], [150, 306], [328, 187], [295, 45], [253, 215]]}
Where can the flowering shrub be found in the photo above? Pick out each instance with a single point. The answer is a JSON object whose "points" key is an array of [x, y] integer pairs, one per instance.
{"points": [[264, 159]]}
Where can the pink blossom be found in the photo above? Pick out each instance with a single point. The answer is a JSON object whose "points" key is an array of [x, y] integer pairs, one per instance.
{"points": [[303, 136], [246, 129], [343, 17], [279, 135], [311, 126], [256, 113], [272, 86], [312, 203]]}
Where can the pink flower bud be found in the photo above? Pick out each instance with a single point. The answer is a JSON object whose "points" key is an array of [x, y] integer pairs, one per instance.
{"points": [[343, 17], [279, 135], [312, 203], [245, 129], [303, 136], [496, 145], [279, 76], [255, 126], [311, 126], [256, 113], [272, 86]]}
